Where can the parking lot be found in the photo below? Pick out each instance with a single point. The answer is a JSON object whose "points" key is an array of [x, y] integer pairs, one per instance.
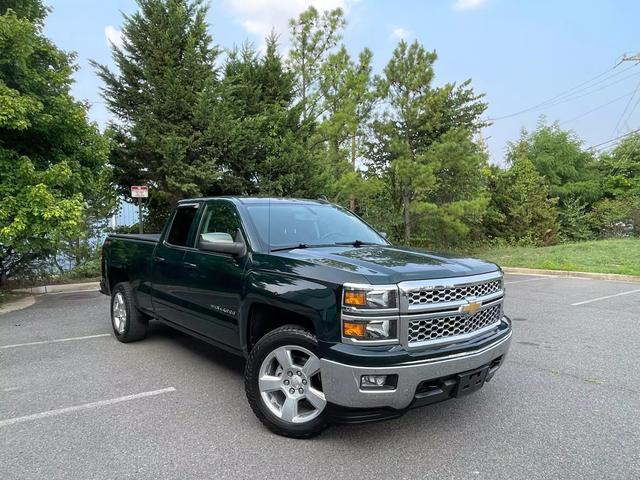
{"points": [[76, 403]]}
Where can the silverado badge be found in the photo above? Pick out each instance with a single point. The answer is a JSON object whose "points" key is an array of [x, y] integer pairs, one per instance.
{"points": [[471, 307]]}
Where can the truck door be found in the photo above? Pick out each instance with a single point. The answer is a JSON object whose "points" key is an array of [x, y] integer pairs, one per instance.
{"points": [[213, 282], [168, 273]]}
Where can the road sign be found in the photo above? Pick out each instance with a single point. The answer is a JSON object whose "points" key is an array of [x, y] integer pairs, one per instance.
{"points": [[139, 191]]}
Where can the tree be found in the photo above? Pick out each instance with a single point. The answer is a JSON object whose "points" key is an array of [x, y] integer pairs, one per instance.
{"points": [[347, 104], [255, 129], [166, 63], [618, 212], [51, 157], [420, 127], [558, 156], [313, 36], [521, 210], [620, 169]]}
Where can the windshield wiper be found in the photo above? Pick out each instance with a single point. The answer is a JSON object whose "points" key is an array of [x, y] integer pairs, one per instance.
{"points": [[289, 247], [302, 245], [357, 243]]}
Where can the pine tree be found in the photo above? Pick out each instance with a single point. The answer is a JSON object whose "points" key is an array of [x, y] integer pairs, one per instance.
{"points": [[421, 128], [166, 63], [347, 100]]}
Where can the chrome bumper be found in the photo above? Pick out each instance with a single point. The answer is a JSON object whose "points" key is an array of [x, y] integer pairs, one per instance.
{"points": [[341, 383]]}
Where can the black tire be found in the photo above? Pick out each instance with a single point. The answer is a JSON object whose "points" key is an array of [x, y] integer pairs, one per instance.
{"points": [[284, 336], [136, 323]]}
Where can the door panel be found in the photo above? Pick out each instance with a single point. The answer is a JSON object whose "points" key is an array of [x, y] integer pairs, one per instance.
{"points": [[168, 270], [213, 290], [213, 281]]}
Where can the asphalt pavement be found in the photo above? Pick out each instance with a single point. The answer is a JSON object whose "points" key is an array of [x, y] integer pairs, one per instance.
{"points": [[77, 404]]}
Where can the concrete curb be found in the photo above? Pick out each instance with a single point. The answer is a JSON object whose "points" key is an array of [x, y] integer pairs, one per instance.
{"points": [[564, 273], [67, 287]]}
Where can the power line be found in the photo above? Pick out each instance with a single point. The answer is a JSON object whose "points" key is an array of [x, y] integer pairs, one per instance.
{"points": [[594, 147], [617, 99], [567, 95], [615, 130]]}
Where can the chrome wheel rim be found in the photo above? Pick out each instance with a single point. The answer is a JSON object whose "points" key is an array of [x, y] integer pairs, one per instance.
{"points": [[119, 313], [290, 384]]}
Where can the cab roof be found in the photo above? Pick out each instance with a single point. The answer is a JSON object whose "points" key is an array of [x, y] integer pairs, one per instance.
{"points": [[257, 200]]}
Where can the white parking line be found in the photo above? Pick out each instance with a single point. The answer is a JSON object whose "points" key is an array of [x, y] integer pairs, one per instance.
{"points": [[527, 280], [605, 297], [86, 406], [43, 342]]}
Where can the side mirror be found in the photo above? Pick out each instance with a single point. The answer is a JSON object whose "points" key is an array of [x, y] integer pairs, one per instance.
{"points": [[383, 234], [222, 243]]}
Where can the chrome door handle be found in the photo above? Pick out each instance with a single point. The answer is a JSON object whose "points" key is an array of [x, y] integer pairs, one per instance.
{"points": [[190, 265], [159, 259]]}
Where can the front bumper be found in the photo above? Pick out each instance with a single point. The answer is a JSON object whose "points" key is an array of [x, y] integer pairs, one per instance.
{"points": [[341, 382]]}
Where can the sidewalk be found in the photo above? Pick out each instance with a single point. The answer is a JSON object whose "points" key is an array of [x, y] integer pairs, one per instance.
{"points": [[66, 287]]}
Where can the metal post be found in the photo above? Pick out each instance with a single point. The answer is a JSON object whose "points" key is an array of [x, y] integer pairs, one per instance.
{"points": [[140, 215]]}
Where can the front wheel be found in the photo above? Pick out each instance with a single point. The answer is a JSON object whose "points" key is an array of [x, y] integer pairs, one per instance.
{"points": [[283, 383]]}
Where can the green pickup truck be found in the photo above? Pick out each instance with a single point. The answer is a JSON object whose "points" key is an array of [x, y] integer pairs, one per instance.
{"points": [[336, 324]]}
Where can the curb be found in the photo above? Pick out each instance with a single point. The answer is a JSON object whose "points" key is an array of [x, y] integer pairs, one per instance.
{"points": [[565, 273], [67, 287]]}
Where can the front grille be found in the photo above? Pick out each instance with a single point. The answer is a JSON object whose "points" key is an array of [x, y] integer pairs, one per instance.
{"points": [[426, 296], [453, 325]]}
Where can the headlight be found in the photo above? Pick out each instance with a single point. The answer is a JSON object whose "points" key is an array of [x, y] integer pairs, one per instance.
{"points": [[372, 297], [374, 329], [370, 314]]}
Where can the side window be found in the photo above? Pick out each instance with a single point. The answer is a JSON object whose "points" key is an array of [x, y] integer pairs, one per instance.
{"points": [[180, 226], [220, 223]]}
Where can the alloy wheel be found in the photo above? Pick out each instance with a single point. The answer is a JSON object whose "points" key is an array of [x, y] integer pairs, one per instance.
{"points": [[290, 384]]}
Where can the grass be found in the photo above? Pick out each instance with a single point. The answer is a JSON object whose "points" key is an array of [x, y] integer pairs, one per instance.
{"points": [[6, 296], [620, 256]]}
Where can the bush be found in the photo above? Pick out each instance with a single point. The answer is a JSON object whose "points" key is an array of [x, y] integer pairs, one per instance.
{"points": [[615, 218], [576, 223]]}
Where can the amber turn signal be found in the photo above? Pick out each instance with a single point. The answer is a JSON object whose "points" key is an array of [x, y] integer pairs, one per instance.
{"points": [[355, 298], [351, 329]]}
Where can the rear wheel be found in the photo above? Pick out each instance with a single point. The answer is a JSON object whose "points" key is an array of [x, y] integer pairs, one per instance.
{"points": [[129, 324], [283, 383]]}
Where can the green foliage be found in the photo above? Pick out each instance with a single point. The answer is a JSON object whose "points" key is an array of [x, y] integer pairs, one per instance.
{"points": [[617, 217], [422, 148], [165, 66], [52, 160], [313, 36], [520, 210], [576, 222], [255, 131], [558, 156]]}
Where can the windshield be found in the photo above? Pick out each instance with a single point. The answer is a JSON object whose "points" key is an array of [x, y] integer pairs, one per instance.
{"points": [[309, 224]]}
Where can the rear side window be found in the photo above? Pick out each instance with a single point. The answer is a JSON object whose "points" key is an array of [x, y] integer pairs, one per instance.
{"points": [[180, 226]]}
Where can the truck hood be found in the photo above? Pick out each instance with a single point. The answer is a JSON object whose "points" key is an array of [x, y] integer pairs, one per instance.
{"points": [[390, 264]]}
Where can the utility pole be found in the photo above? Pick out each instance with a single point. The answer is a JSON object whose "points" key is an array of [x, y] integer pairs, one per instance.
{"points": [[630, 58]]}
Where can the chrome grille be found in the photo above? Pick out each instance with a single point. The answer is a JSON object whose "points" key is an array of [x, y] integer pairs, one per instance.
{"points": [[453, 325], [425, 296]]}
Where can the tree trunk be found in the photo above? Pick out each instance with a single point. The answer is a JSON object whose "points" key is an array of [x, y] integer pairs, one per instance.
{"points": [[352, 200], [406, 200]]}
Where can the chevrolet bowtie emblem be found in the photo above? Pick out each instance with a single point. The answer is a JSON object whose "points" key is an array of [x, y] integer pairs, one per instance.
{"points": [[470, 308]]}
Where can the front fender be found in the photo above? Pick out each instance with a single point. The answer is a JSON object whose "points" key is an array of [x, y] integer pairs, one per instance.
{"points": [[314, 300]]}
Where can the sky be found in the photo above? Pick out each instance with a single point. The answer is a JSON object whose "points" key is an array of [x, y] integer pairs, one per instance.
{"points": [[520, 54]]}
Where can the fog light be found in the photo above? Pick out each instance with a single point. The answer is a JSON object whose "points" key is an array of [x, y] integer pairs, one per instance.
{"points": [[373, 381]]}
